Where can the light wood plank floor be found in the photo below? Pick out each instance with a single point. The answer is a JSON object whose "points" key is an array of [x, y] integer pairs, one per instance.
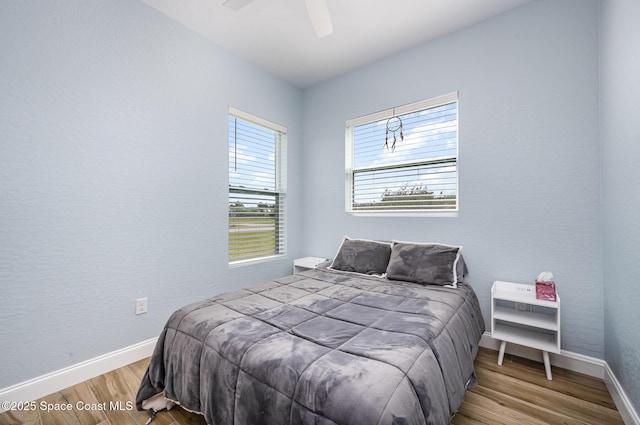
{"points": [[517, 392]]}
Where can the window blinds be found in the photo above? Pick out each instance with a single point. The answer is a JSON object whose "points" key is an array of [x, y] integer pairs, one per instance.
{"points": [[420, 174], [256, 188]]}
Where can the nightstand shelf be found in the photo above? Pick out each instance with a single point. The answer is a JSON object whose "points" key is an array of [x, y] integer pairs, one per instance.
{"points": [[518, 317], [528, 318], [524, 336]]}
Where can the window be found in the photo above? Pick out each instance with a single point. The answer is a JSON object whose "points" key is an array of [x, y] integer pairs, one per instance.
{"points": [[257, 195], [420, 174]]}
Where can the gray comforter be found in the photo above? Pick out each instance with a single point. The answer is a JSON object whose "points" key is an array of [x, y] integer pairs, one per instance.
{"points": [[322, 347]]}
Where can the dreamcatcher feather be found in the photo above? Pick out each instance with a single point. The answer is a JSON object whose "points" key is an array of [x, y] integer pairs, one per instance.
{"points": [[394, 124]]}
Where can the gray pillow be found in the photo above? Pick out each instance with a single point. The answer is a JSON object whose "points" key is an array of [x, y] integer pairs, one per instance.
{"points": [[362, 256], [461, 270], [434, 264]]}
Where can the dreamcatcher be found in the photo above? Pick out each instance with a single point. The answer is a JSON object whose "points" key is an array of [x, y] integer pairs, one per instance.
{"points": [[394, 124]]}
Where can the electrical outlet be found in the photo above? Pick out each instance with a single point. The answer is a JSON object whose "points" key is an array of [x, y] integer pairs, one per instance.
{"points": [[141, 305]]}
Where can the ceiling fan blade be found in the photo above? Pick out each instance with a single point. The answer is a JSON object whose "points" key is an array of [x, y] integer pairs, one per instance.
{"points": [[236, 5], [320, 17]]}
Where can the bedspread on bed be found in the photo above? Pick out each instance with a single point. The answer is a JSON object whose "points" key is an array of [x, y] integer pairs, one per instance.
{"points": [[321, 347]]}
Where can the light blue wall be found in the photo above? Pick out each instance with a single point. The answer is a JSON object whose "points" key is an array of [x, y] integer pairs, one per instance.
{"points": [[620, 133], [528, 155], [113, 176]]}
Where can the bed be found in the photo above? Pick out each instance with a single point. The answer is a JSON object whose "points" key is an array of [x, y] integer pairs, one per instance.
{"points": [[360, 340]]}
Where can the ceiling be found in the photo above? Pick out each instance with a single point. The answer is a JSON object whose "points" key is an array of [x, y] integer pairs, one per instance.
{"points": [[277, 35]]}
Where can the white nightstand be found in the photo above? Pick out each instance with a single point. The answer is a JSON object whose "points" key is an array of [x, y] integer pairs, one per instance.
{"points": [[517, 316], [306, 263]]}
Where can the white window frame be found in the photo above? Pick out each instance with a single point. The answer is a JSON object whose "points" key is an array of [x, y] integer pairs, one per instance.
{"points": [[384, 115], [280, 175]]}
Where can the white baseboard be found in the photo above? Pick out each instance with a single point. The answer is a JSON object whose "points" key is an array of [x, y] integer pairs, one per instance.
{"points": [[565, 359], [629, 415], [50, 383], [578, 363]]}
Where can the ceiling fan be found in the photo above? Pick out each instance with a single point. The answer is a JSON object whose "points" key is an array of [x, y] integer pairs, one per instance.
{"points": [[317, 9]]}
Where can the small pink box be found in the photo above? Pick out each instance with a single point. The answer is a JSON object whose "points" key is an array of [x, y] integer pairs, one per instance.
{"points": [[546, 291]]}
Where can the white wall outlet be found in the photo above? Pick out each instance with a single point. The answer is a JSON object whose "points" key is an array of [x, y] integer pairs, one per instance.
{"points": [[141, 305]]}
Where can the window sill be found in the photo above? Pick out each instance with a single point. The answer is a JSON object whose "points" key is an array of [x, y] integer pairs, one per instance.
{"points": [[242, 263], [423, 214]]}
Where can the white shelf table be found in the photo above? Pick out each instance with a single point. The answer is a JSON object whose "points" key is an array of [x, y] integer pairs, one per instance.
{"points": [[518, 317], [306, 263]]}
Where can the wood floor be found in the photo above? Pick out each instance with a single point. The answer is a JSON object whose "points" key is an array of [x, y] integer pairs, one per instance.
{"points": [[515, 393], [518, 392]]}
